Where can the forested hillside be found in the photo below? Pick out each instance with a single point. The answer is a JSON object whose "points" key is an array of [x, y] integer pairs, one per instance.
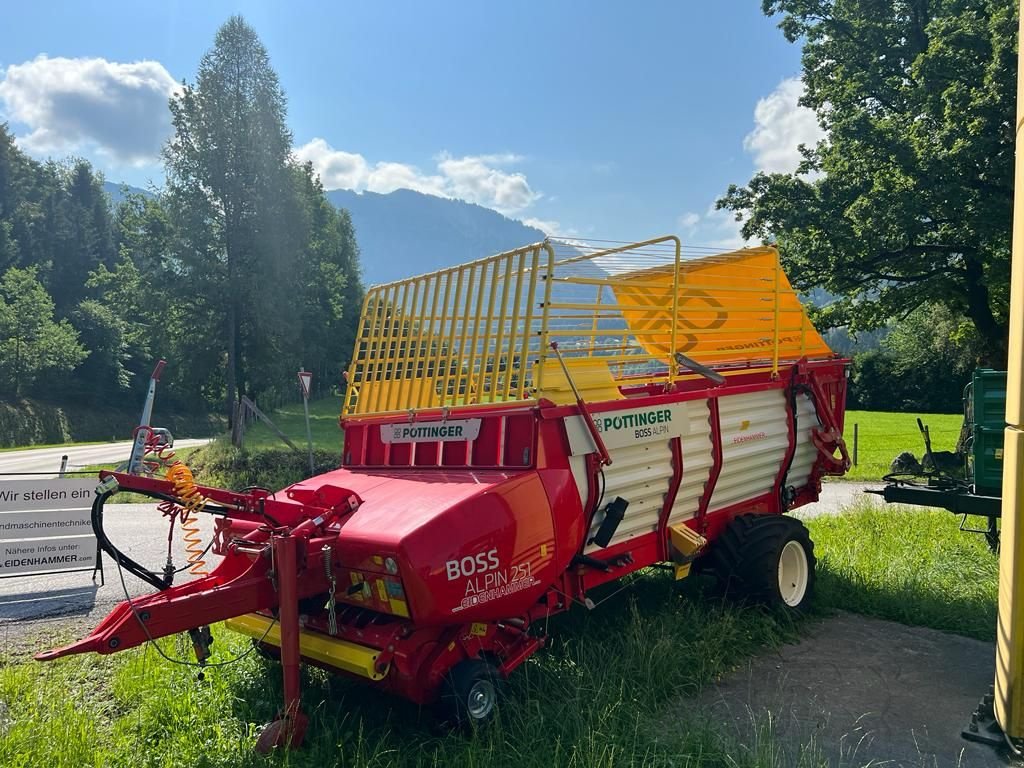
{"points": [[236, 279]]}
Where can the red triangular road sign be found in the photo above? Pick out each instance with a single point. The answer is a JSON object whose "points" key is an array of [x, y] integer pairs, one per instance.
{"points": [[305, 377]]}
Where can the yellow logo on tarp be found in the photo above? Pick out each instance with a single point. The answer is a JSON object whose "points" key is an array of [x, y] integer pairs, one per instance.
{"points": [[729, 307]]}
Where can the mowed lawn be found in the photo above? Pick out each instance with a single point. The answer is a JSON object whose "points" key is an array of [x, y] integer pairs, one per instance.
{"points": [[882, 436]]}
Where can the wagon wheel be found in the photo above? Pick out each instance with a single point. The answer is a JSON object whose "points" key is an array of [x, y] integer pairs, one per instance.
{"points": [[768, 559], [471, 693]]}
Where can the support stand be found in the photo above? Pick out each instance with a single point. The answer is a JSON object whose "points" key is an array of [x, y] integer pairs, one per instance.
{"points": [[99, 566], [289, 727]]}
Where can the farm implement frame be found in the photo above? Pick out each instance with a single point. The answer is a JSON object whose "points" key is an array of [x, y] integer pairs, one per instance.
{"points": [[506, 455]]}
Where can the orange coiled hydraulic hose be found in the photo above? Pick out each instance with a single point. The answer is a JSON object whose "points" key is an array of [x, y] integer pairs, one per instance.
{"points": [[186, 490], [191, 502]]}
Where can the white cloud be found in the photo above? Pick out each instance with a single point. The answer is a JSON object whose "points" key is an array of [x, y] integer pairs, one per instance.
{"points": [[337, 169], [688, 222], [714, 228], [780, 126], [387, 177], [120, 109], [547, 226], [722, 230], [474, 179], [477, 179]]}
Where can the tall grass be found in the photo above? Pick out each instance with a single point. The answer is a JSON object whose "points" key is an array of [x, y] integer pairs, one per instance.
{"points": [[909, 565], [291, 419], [596, 697]]}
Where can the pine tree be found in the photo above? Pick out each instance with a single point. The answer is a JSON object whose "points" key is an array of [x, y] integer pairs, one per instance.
{"points": [[230, 186]]}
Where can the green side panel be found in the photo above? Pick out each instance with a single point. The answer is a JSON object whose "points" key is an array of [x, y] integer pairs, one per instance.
{"points": [[989, 398], [988, 461], [989, 395]]}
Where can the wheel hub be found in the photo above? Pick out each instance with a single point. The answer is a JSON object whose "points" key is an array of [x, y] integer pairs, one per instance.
{"points": [[793, 573], [481, 699]]}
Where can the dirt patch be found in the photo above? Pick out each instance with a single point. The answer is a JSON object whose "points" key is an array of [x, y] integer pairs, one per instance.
{"points": [[862, 691]]}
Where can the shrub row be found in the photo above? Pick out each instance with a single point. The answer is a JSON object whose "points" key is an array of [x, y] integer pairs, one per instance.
{"points": [[222, 465], [31, 422]]}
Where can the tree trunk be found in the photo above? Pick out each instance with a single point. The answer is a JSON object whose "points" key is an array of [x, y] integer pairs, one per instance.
{"points": [[231, 399], [993, 335]]}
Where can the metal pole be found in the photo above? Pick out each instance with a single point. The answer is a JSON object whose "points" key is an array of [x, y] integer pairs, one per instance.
{"points": [[309, 435], [856, 435], [1009, 682]]}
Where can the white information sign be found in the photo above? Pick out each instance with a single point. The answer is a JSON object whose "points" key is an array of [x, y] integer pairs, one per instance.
{"points": [[45, 526], [430, 431], [52, 522], [305, 378], [25, 556], [52, 493]]}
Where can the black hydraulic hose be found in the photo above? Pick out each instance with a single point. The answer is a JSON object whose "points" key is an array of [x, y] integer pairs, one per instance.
{"points": [[130, 565], [793, 406], [122, 560]]}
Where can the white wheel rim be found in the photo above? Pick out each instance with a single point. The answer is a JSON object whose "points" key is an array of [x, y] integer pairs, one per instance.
{"points": [[793, 572], [481, 699]]}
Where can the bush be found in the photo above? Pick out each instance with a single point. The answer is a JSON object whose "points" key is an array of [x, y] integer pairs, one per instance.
{"points": [[222, 465], [922, 365]]}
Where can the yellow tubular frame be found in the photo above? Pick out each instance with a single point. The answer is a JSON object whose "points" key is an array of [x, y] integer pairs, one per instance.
{"points": [[470, 341], [1009, 677]]}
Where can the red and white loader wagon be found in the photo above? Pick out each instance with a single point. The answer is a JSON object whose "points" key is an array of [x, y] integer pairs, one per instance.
{"points": [[518, 431]]}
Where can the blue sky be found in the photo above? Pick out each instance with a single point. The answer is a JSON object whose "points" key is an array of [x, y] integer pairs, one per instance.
{"points": [[595, 119]]}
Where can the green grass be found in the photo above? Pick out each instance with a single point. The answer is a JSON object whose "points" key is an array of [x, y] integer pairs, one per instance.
{"points": [[615, 687], [290, 419], [883, 436], [606, 693], [908, 565]]}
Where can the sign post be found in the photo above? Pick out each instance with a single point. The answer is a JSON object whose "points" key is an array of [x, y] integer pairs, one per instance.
{"points": [[305, 379]]}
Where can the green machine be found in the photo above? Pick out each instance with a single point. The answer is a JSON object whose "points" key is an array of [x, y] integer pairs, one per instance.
{"points": [[966, 481], [985, 417]]}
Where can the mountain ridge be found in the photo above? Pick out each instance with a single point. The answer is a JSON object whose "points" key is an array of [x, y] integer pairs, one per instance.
{"points": [[404, 232]]}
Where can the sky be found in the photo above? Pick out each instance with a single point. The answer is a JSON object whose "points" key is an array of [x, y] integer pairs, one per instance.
{"points": [[599, 119]]}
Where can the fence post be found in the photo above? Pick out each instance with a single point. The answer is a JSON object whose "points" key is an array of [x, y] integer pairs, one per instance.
{"points": [[856, 430]]}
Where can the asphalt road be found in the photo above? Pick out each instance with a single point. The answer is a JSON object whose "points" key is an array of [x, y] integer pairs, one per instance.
{"points": [[39, 610], [48, 459]]}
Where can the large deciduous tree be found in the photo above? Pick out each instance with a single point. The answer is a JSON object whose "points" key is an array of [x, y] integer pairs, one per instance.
{"points": [[906, 202], [31, 343], [232, 199]]}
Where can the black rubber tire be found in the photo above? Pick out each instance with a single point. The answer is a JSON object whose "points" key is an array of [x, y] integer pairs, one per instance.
{"points": [[471, 693], [746, 558]]}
